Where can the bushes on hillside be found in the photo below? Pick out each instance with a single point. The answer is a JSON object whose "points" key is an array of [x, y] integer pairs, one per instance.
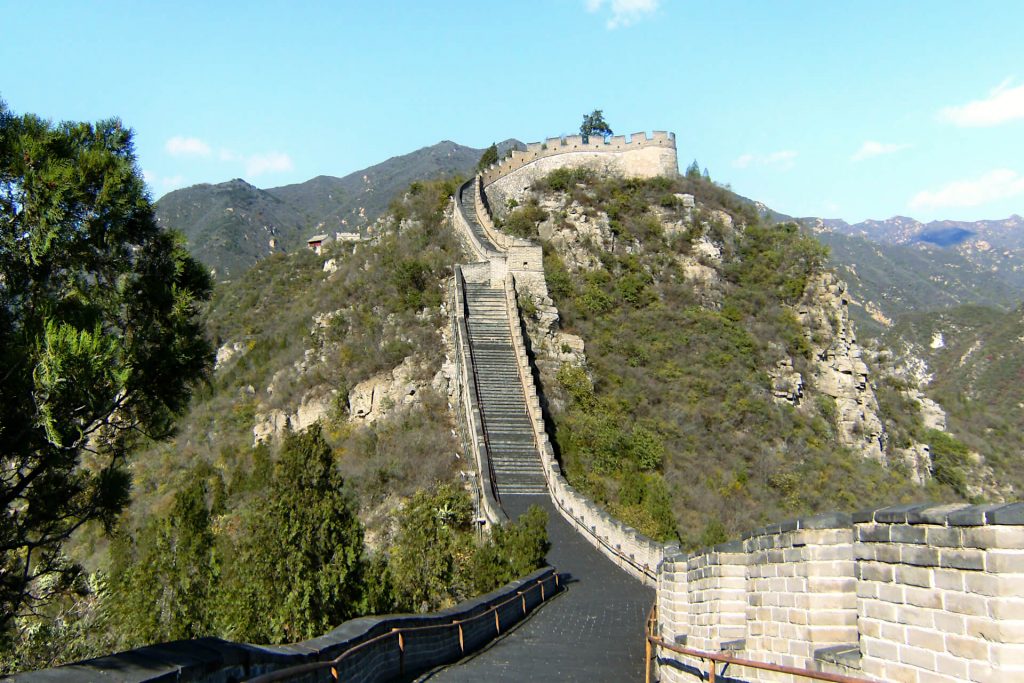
{"points": [[678, 432]]}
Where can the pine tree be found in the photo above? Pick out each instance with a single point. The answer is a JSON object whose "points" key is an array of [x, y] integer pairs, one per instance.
{"points": [[100, 340], [298, 570], [488, 158], [594, 124]]}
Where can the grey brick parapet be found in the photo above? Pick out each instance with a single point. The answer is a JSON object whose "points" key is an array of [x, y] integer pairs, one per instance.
{"points": [[915, 593]]}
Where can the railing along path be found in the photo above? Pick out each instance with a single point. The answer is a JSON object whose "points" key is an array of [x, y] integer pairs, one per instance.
{"points": [[399, 635], [715, 658]]}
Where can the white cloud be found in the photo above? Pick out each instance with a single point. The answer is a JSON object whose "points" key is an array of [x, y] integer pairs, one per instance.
{"points": [[873, 149], [623, 12], [1001, 183], [179, 146], [783, 160], [1003, 104], [744, 160], [254, 164], [271, 162], [162, 183]]}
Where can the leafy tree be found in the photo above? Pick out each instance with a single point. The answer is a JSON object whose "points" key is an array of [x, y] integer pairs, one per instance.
{"points": [[514, 550], [436, 561], [693, 170], [298, 569], [99, 339], [425, 557], [950, 460], [594, 124], [488, 158], [166, 593]]}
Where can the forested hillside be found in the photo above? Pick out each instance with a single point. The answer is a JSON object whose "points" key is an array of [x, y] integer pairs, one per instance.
{"points": [[974, 359]]}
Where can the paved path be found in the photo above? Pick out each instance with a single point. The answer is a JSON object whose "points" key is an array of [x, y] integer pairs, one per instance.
{"points": [[594, 630], [591, 632]]}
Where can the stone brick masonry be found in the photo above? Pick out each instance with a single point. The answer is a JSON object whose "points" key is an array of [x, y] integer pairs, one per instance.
{"points": [[915, 594]]}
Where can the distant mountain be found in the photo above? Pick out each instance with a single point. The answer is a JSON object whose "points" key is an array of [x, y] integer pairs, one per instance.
{"points": [[902, 265], [887, 280], [996, 234], [232, 225]]}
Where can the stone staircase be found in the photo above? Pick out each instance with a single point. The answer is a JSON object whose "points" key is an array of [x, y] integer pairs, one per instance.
{"points": [[515, 462], [467, 199]]}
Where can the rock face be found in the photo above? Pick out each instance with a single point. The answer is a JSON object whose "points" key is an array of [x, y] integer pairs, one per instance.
{"points": [[227, 352], [269, 426], [376, 397], [787, 383], [839, 370]]}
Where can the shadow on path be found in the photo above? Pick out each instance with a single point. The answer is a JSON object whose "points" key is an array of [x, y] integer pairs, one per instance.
{"points": [[592, 632]]}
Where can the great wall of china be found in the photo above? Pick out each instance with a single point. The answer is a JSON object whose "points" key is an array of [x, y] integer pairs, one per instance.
{"points": [[916, 594]]}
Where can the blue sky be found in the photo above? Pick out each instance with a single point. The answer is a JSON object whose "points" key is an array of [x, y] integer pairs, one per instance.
{"points": [[842, 109]]}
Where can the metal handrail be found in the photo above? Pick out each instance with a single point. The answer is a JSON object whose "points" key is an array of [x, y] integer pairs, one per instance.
{"points": [[399, 633], [716, 658]]}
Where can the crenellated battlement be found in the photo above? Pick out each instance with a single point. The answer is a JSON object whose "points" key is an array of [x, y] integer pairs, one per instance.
{"points": [[575, 144]]}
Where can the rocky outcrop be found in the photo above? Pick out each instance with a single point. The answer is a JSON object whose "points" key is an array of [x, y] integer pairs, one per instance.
{"points": [[839, 369], [228, 352], [376, 397], [787, 383], [269, 426]]}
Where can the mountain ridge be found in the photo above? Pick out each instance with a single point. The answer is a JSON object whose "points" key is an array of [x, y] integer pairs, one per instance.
{"points": [[232, 225]]}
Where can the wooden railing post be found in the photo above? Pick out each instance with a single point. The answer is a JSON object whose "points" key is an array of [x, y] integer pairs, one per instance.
{"points": [[401, 651], [647, 660]]}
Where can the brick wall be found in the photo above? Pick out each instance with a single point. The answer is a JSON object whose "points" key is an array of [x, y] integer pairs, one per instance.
{"points": [[620, 145], [940, 593], [915, 594]]}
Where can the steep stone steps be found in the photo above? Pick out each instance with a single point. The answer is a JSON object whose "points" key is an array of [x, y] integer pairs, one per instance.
{"points": [[467, 199], [513, 450]]}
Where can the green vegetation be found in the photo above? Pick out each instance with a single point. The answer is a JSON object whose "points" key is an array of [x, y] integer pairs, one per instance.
{"points": [[488, 158], [100, 341], [436, 561], [284, 540], [672, 425], [291, 564], [523, 220], [594, 124]]}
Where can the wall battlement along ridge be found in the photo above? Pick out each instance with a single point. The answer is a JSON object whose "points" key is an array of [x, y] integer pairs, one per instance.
{"points": [[468, 405], [574, 144], [637, 554]]}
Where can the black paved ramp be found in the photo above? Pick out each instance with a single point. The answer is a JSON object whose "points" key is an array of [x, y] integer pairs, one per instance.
{"points": [[594, 631]]}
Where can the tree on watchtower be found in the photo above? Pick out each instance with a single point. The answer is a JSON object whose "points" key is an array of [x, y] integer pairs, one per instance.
{"points": [[594, 124], [488, 158]]}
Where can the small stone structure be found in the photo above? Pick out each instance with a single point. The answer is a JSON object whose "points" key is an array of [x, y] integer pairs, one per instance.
{"points": [[912, 593], [316, 243]]}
